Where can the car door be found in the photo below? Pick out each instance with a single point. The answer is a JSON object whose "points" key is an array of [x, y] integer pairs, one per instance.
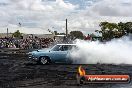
{"points": [[65, 49], [59, 55]]}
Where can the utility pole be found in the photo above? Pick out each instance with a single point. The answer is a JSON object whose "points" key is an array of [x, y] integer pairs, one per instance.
{"points": [[66, 29], [7, 32]]}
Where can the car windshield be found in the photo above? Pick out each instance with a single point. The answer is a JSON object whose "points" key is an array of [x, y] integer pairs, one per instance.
{"points": [[56, 48]]}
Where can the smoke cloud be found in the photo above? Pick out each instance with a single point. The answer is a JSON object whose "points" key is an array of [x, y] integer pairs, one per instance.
{"points": [[117, 51]]}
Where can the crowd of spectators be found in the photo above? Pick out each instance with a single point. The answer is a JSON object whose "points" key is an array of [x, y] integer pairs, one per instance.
{"points": [[28, 43], [32, 42]]}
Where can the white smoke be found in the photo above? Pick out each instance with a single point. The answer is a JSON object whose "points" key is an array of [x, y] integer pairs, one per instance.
{"points": [[117, 51]]}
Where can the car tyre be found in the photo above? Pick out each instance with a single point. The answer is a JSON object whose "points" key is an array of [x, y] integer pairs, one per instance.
{"points": [[44, 60]]}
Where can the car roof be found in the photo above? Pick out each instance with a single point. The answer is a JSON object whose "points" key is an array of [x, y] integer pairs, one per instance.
{"points": [[67, 44]]}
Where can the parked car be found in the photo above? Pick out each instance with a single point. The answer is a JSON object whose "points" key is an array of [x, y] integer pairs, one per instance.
{"points": [[59, 53]]}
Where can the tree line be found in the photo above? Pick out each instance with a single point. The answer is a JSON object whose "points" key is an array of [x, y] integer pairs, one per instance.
{"points": [[114, 30], [108, 31]]}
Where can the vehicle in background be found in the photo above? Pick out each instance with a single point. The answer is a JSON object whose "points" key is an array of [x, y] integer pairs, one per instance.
{"points": [[59, 53]]}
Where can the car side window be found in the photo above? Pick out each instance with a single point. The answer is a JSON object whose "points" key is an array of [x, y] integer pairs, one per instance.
{"points": [[65, 48], [62, 47]]}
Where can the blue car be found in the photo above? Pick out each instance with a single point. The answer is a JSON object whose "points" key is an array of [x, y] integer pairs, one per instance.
{"points": [[59, 53]]}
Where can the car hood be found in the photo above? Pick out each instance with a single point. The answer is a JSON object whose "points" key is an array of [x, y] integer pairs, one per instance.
{"points": [[40, 50]]}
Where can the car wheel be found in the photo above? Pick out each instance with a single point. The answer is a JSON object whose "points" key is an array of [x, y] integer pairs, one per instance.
{"points": [[44, 60]]}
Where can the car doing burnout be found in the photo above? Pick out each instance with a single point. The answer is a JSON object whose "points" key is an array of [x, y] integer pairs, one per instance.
{"points": [[59, 53]]}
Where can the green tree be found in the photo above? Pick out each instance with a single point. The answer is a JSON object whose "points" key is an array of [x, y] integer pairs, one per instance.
{"points": [[17, 34], [77, 35], [121, 29], [114, 30], [61, 33], [56, 33], [128, 26], [125, 28], [108, 30]]}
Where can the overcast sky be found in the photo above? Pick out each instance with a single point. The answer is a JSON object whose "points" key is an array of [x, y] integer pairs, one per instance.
{"points": [[84, 15]]}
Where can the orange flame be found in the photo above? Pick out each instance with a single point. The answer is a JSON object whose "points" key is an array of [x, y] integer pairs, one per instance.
{"points": [[81, 71]]}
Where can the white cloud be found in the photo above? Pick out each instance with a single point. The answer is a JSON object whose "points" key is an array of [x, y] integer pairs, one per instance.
{"points": [[113, 8], [34, 13], [105, 10], [61, 3], [47, 14], [30, 5]]}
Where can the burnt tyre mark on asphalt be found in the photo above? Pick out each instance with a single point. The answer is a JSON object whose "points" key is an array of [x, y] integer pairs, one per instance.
{"points": [[17, 72]]}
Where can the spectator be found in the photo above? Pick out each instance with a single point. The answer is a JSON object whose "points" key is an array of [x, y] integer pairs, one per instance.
{"points": [[88, 37]]}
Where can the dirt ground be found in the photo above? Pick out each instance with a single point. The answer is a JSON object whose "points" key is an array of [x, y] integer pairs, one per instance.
{"points": [[16, 71]]}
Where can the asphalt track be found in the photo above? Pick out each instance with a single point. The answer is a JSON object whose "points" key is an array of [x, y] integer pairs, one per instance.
{"points": [[16, 71]]}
